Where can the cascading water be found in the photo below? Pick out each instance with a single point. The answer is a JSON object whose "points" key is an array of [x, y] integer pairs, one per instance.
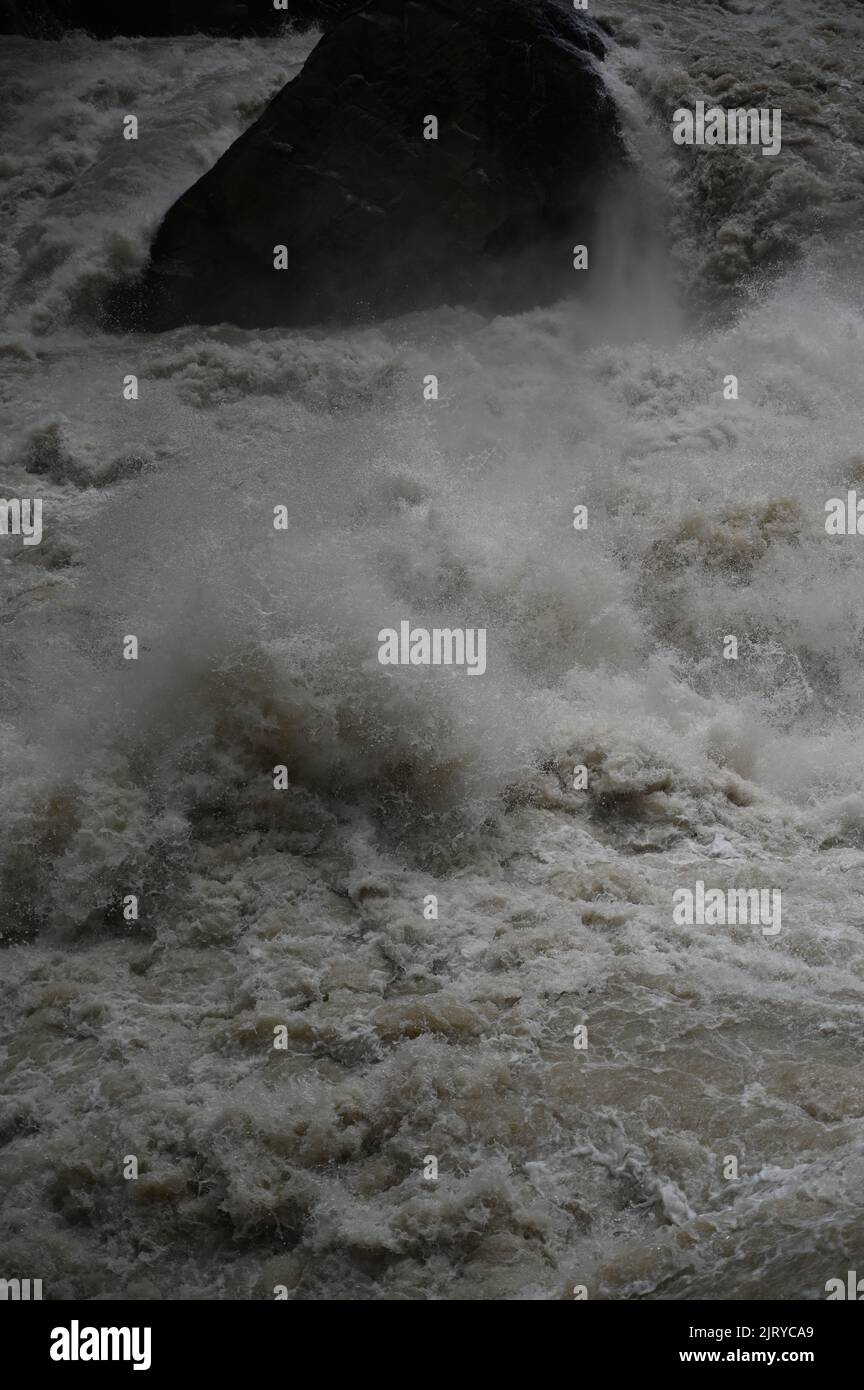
{"points": [[409, 1036]]}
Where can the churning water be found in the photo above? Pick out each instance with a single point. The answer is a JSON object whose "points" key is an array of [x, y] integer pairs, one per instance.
{"points": [[453, 1038]]}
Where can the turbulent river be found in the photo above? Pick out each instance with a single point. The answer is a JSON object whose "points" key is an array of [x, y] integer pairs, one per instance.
{"points": [[411, 1038]]}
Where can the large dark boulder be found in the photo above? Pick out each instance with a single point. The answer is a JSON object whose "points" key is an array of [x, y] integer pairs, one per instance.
{"points": [[375, 217]]}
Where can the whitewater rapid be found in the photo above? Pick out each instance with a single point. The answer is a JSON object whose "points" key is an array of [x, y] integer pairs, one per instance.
{"points": [[304, 909]]}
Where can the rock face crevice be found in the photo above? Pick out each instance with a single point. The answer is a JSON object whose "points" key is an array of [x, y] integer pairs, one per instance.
{"points": [[375, 217]]}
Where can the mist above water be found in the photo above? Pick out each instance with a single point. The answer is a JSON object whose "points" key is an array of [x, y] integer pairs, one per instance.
{"points": [[259, 647]]}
